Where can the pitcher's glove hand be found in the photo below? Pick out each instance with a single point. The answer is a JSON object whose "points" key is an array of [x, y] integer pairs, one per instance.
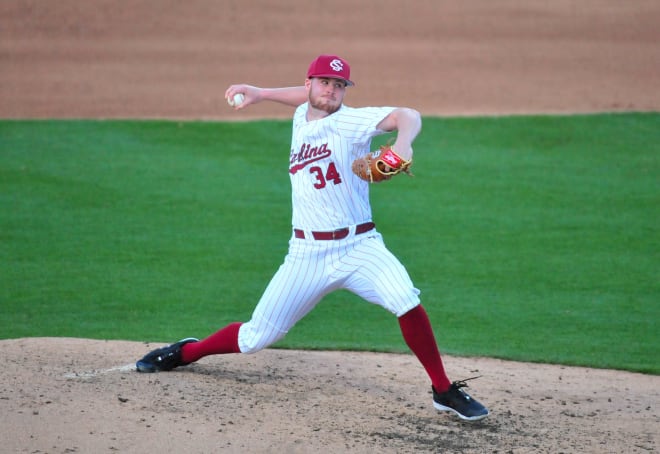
{"points": [[380, 165]]}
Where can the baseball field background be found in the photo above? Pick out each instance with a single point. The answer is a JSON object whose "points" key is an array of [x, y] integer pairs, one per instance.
{"points": [[517, 230], [135, 208]]}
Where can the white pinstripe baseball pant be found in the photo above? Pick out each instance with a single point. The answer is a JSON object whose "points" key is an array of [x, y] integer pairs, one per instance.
{"points": [[312, 269]]}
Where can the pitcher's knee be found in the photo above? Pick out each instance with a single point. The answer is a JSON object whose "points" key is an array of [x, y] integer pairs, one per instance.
{"points": [[257, 335]]}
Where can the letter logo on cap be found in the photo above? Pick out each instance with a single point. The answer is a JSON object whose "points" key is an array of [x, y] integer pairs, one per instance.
{"points": [[337, 65]]}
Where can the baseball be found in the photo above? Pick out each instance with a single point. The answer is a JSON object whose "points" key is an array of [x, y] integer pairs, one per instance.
{"points": [[236, 100]]}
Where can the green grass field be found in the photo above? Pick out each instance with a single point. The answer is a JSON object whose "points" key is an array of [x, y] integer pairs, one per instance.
{"points": [[531, 238]]}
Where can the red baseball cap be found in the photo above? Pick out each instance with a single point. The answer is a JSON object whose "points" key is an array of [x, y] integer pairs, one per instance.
{"points": [[332, 67]]}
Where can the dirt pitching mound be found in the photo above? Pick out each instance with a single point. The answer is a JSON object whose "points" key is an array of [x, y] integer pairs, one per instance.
{"points": [[73, 395]]}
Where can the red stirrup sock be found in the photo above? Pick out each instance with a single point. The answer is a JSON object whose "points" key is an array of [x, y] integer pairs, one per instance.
{"points": [[418, 334], [223, 341]]}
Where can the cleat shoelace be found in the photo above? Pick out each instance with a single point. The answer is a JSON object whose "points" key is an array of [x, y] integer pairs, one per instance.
{"points": [[461, 383], [458, 384]]}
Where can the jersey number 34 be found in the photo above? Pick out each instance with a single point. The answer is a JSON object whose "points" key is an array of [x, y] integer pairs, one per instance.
{"points": [[322, 178]]}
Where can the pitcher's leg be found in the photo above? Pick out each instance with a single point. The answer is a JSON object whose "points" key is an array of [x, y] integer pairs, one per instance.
{"points": [[222, 341], [385, 281], [418, 334], [296, 288]]}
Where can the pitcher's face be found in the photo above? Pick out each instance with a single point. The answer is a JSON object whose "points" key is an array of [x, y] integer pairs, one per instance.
{"points": [[326, 94]]}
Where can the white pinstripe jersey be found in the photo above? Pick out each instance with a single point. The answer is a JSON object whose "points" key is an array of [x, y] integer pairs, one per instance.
{"points": [[326, 194]]}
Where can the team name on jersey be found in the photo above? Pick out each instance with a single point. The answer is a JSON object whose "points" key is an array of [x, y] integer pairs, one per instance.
{"points": [[307, 155]]}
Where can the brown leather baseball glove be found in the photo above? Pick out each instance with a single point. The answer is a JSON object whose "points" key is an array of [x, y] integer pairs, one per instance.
{"points": [[382, 165]]}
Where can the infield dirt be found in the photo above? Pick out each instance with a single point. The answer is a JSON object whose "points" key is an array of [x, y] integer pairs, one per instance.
{"points": [[172, 59]]}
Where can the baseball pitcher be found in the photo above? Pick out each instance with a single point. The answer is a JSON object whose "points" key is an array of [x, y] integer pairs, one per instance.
{"points": [[334, 242]]}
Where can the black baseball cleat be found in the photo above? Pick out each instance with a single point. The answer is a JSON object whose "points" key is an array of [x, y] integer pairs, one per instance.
{"points": [[165, 358], [460, 402]]}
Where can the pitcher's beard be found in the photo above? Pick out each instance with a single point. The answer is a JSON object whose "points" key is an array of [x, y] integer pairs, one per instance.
{"points": [[324, 106]]}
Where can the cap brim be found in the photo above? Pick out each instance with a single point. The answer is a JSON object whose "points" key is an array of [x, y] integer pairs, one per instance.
{"points": [[333, 76]]}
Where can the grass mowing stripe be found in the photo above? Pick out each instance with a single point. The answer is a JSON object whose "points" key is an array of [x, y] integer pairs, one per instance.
{"points": [[531, 238]]}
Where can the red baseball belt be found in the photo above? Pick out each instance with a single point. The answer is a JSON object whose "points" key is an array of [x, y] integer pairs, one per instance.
{"points": [[338, 234]]}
